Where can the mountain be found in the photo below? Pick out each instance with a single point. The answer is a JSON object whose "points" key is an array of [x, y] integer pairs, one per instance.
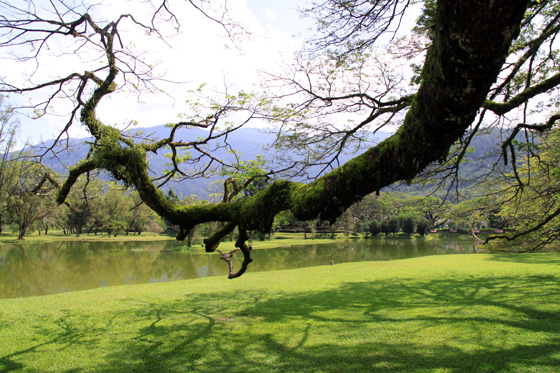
{"points": [[482, 159], [250, 142]]}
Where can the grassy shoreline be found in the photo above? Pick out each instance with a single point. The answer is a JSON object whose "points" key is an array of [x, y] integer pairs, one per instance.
{"points": [[59, 236], [452, 313], [277, 240]]}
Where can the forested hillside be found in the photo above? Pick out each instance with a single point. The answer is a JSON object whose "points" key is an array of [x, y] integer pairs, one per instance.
{"points": [[253, 142]]}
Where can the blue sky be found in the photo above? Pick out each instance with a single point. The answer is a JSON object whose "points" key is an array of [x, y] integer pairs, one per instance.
{"points": [[200, 54]]}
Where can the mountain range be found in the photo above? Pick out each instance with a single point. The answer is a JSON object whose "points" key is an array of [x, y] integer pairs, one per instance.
{"points": [[250, 142]]}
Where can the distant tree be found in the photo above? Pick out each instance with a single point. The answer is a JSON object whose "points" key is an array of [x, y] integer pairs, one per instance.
{"points": [[31, 195], [396, 203], [84, 204], [407, 224], [360, 226], [385, 228], [115, 227], [59, 218], [141, 215], [78, 216], [172, 196], [368, 209], [116, 212], [434, 209], [470, 214], [390, 225], [393, 225], [345, 222], [8, 128], [310, 226], [422, 227], [374, 228]]}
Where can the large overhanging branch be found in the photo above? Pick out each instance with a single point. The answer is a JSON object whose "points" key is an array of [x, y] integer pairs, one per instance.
{"points": [[549, 33], [471, 42]]}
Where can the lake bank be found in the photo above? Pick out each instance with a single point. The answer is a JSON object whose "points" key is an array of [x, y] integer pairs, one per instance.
{"points": [[276, 240], [482, 312]]}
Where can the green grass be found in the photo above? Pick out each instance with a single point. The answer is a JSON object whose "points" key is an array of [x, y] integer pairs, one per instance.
{"points": [[34, 237], [277, 240], [282, 239], [454, 313]]}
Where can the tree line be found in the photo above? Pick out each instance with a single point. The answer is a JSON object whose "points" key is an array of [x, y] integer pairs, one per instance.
{"points": [[28, 204]]}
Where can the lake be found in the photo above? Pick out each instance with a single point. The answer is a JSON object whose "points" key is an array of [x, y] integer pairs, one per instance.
{"points": [[57, 267]]}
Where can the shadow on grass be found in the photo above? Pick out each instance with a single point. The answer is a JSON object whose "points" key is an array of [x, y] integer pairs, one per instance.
{"points": [[69, 332], [460, 325], [528, 258]]}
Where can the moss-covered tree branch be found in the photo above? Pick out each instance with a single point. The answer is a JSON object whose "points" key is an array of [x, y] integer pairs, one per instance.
{"points": [[460, 68]]}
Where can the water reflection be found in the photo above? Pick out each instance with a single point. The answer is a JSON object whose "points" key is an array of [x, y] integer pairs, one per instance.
{"points": [[38, 269]]}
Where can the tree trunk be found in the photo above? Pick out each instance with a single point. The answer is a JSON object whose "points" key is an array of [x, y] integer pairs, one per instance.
{"points": [[22, 231]]}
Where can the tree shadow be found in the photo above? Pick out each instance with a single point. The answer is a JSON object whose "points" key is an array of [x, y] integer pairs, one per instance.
{"points": [[454, 324], [69, 332], [224, 340], [528, 258]]}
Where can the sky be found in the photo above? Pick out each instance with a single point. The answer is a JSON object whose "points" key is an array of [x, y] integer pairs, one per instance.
{"points": [[200, 53]]}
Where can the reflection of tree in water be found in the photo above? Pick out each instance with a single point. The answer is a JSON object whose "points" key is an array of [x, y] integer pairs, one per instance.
{"points": [[18, 276], [36, 269], [355, 251], [31, 269]]}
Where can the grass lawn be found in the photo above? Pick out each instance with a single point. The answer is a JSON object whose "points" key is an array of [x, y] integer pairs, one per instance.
{"points": [[59, 236], [452, 313], [278, 239]]}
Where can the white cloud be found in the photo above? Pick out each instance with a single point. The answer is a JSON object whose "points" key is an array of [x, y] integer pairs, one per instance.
{"points": [[200, 53]]}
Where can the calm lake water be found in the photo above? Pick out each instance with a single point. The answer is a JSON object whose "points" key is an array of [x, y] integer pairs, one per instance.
{"points": [[57, 267]]}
